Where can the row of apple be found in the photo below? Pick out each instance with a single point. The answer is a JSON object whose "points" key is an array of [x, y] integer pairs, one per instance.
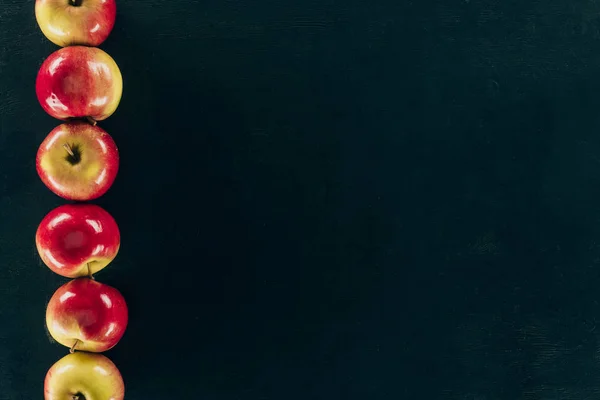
{"points": [[80, 85]]}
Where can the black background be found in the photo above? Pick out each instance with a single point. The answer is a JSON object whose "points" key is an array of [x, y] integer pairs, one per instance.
{"points": [[327, 199]]}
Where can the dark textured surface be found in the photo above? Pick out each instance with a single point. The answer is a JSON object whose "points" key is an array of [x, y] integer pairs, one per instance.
{"points": [[330, 200]]}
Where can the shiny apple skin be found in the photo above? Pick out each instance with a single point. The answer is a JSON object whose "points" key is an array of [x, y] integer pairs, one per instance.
{"points": [[79, 82], [74, 235], [87, 314], [92, 375], [92, 175], [64, 24]]}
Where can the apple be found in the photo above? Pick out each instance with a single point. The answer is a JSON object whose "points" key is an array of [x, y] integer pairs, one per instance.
{"points": [[76, 22], [79, 82], [78, 161], [76, 240], [84, 376], [87, 315]]}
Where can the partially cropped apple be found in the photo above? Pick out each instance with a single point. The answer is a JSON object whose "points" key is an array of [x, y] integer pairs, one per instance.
{"points": [[79, 82], [76, 22], [87, 315], [78, 161], [76, 240], [84, 376]]}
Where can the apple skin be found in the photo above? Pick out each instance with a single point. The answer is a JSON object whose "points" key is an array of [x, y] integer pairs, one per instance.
{"points": [[79, 82], [86, 314], [76, 22], [76, 239], [93, 376], [89, 173]]}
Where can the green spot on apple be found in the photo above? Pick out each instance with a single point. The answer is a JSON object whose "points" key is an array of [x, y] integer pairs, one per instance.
{"points": [[73, 153]]}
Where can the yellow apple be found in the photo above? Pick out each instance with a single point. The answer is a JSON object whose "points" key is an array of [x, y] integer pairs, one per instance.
{"points": [[76, 22], [84, 376]]}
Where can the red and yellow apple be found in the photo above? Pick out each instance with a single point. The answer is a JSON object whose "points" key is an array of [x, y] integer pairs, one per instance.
{"points": [[79, 82], [76, 22], [78, 161], [84, 376], [76, 240], [87, 315]]}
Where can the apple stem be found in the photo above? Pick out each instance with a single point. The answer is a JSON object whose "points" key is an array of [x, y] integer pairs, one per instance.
{"points": [[90, 271], [73, 347], [69, 149], [91, 121]]}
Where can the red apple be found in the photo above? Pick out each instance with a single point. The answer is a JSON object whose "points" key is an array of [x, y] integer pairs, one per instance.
{"points": [[87, 315], [76, 22], [77, 240], [78, 161], [84, 376], [79, 82]]}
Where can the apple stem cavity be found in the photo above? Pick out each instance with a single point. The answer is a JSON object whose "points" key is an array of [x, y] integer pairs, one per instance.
{"points": [[74, 154], [75, 3]]}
